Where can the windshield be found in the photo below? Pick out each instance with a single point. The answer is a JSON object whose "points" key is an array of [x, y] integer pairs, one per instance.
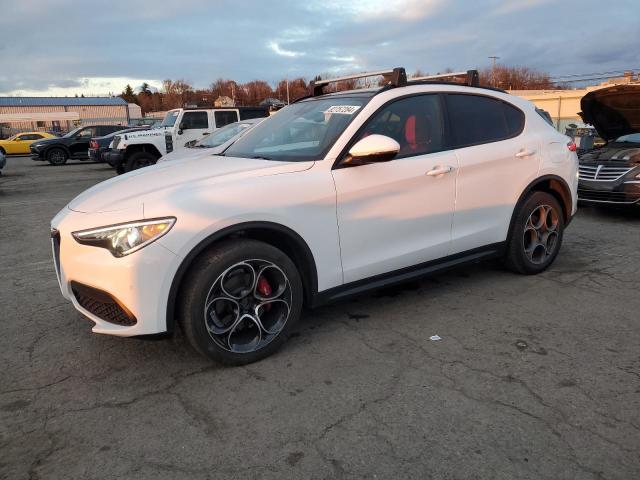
{"points": [[300, 132], [631, 138], [222, 135], [72, 132], [170, 119]]}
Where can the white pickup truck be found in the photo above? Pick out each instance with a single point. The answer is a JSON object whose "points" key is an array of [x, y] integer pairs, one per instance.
{"points": [[134, 150]]}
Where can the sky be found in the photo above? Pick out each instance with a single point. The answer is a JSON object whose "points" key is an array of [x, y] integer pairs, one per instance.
{"points": [[62, 47]]}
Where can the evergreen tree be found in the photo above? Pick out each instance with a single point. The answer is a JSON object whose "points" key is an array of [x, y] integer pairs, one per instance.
{"points": [[128, 94]]}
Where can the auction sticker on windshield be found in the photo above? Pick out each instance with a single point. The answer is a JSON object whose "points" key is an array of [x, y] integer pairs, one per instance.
{"points": [[343, 109]]}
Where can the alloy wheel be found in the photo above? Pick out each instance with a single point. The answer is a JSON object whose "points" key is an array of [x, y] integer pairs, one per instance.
{"points": [[248, 305], [540, 238], [57, 157]]}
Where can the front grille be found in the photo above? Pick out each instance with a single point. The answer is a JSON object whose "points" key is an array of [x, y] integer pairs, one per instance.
{"points": [[168, 140], [116, 141], [607, 196], [601, 172], [102, 305]]}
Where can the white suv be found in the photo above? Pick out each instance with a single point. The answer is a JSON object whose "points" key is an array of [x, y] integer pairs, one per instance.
{"points": [[333, 195]]}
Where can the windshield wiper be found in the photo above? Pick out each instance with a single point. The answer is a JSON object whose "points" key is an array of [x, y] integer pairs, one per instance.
{"points": [[260, 157]]}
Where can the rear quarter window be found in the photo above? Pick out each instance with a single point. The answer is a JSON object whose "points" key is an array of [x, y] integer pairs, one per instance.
{"points": [[476, 119]]}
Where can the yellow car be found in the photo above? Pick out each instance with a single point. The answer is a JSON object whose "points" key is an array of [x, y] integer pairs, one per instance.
{"points": [[19, 144]]}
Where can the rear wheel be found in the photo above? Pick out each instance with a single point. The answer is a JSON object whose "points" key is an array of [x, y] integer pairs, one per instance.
{"points": [[2, 151], [537, 234], [139, 160], [240, 301], [57, 156]]}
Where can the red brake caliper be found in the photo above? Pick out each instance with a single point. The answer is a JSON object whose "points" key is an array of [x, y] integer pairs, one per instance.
{"points": [[265, 290]]}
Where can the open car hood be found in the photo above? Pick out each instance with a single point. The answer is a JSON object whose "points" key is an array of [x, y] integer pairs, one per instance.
{"points": [[613, 111]]}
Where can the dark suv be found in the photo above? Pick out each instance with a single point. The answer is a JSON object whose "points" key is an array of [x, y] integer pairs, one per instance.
{"points": [[74, 144], [610, 174]]}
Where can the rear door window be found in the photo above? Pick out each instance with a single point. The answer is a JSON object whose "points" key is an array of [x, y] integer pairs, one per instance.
{"points": [[225, 118], [194, 120], [107, 129], [476, 119]]}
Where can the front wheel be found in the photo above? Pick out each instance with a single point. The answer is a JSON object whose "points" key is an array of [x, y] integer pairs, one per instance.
{"points": [[139, 160], [57, 156], [240, 301], [537, 234]]}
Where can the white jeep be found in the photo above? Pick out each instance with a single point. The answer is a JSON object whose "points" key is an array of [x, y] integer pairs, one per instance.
{"points": [[181, 126]]}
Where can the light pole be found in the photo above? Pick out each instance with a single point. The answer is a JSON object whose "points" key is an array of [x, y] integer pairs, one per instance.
{"points": [[493, 70]]}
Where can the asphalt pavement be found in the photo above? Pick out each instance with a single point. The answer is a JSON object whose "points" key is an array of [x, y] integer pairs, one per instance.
{"points": [[532, 378]]}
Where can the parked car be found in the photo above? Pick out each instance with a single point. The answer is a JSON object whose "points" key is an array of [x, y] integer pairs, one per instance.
{"points": [[610, 174], [3, 161], [75, 144], [179, 127], [215, 143], [19, 144], [98, 146], [334, 195]]}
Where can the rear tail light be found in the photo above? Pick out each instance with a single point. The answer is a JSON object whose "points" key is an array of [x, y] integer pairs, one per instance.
{"points": [[572, 146]]}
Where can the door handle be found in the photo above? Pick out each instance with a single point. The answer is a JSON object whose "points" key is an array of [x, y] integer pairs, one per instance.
{"points": [[525, 153], [205, 133], [439, 170]]}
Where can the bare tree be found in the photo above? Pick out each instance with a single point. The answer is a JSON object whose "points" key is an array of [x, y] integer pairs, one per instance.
{"points": [[516, 78]]}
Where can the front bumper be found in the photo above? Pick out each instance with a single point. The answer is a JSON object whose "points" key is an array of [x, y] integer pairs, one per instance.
{"points": [[36, 155], [113, 158], [124, 296], [625, 191]]}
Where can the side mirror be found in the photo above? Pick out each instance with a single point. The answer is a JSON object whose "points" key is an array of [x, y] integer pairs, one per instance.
{"points": [[372, 149], [181, 127]]}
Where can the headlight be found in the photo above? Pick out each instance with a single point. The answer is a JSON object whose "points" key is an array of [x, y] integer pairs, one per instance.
{"points": [[125, 238]]}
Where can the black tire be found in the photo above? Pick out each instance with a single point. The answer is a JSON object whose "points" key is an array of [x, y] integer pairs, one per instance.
{"points": [[139, 160], [532, 250], [57, 156], [230, 264], [2, 151], [120, 169]]}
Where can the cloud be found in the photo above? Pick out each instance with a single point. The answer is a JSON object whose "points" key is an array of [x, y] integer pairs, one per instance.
{"points": [[199, 41], [511, 6], [281, 51]]}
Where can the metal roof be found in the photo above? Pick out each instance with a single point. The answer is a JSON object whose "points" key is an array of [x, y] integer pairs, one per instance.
{"points": [[59, 101]]}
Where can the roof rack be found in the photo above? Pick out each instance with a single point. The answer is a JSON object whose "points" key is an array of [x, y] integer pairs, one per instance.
{"points": [[396, 77], [471, 77]]}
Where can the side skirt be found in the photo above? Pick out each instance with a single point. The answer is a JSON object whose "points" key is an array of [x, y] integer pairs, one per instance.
{"points": [[495, 250]]}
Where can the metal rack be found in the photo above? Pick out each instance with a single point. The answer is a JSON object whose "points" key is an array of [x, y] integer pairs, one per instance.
{"points": [[397, 77], [471, 77]]}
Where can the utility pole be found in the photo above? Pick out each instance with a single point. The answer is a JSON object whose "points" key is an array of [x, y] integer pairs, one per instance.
{"points": [[493, 70]]}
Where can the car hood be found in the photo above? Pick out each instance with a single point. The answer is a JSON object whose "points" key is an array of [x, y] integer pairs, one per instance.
{"points": [[189, 153], [133, 188], [45, 141], [152, 132], [613, 111]]}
